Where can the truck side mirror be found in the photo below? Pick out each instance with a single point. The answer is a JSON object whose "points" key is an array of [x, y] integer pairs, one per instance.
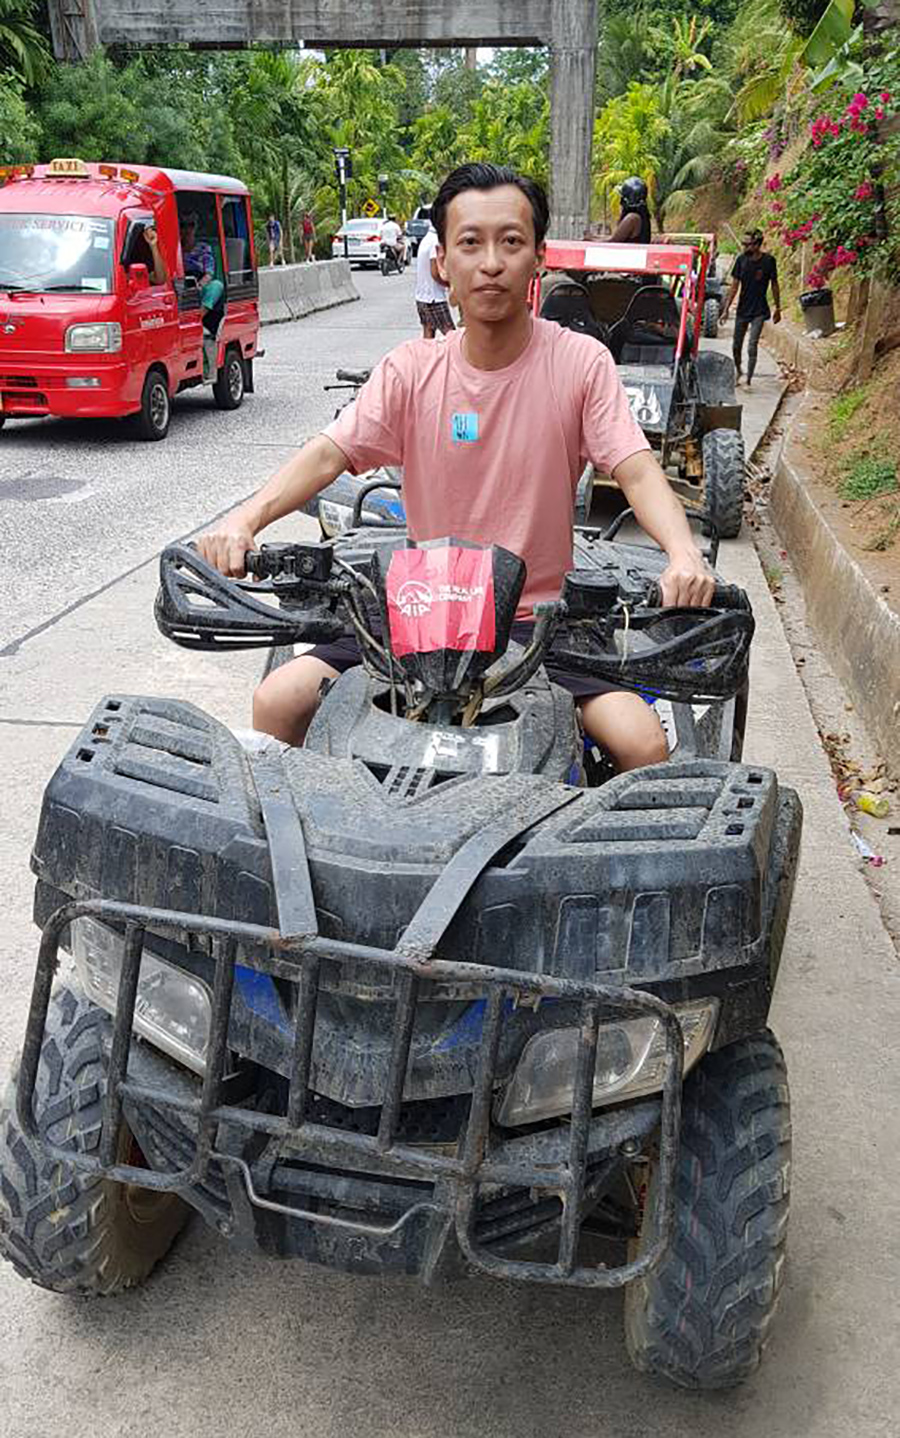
{"points": [[138, 277]]}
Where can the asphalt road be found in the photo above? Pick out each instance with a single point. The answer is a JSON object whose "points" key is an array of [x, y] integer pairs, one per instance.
{"points": [[82, 502], [222, 1345]]}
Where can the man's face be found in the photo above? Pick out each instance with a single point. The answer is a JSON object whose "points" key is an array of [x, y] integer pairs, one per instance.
{"points": [[751, 245], [489, 255]]}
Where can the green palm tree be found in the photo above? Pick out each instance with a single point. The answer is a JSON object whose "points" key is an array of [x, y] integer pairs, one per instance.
{"points": [[23, 49]]}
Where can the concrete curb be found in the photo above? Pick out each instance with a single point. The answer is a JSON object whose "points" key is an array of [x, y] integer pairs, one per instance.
{"points": [[793, 347], [288, 292], [859, 633]]}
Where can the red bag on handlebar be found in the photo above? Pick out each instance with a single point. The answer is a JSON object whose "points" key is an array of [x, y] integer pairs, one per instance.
{"points": [[441, 599]]}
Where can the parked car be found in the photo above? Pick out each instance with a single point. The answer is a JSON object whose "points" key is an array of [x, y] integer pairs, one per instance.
{"points": [[363, 242], [417, 228]]}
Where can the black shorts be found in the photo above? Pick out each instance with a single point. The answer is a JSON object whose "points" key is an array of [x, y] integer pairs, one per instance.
{"points": [[344, 654]]}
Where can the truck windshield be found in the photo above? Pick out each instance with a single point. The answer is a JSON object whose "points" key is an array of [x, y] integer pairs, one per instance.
{"points": [[56, 252]]}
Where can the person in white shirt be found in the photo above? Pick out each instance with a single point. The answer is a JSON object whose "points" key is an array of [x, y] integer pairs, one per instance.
{"points": [[432, 294], [391, 234]]}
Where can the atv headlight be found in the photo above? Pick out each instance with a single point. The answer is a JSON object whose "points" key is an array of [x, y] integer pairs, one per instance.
{"points": [[630, 1062], [173, 1008], [100, 338]]}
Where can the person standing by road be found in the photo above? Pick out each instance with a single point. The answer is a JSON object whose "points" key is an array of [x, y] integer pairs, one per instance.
{"points": [[432, 295], [275, 242], [753, 272], [308, 233]]}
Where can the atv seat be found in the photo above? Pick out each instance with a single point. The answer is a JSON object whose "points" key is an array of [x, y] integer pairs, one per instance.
{"points": [[569, 305], [651, 322]]}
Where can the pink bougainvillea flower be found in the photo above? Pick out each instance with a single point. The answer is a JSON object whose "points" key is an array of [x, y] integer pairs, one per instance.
{"points": [[860, 100], [885, 96], [834, 129], [773, 183], [777, 207], [863, 191], [879, 112]]}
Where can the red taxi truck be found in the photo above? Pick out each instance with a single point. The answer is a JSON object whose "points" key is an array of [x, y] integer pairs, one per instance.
{"points": [[97, 323]]}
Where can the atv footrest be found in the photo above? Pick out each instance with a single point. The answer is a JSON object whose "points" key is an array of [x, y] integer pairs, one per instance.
{"points": [[465, 1177]]}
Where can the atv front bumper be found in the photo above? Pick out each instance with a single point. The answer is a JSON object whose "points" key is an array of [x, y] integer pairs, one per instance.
{"points": [[278, 1174]]}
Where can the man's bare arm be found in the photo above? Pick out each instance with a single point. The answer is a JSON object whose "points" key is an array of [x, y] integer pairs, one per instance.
{"points": [[316, 465], [687, 580], [735, 286], [627, 230]]}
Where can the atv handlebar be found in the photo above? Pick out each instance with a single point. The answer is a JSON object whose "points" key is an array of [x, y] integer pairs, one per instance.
{"points": [[602, 627], [724, 596]]}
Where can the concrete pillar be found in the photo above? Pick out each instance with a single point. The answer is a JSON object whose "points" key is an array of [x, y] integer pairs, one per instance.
{"points": [[573, 58]]}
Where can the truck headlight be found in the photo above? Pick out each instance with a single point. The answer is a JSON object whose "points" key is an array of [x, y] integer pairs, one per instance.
{"points": [[173, 1008], [630, 1062], [105, 338]]}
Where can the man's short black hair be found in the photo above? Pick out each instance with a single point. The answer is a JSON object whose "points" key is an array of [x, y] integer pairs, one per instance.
{"points": [[490, 177]]}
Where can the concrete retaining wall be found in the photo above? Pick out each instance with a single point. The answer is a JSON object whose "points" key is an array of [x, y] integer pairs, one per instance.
{"points": [[288, 292], [859, 633]]}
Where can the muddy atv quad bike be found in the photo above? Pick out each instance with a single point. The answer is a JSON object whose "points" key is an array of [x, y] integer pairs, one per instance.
{"points": [[416, 998], [646, 302]]}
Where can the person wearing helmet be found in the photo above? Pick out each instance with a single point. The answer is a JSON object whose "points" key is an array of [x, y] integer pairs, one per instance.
{"points": [[634, 219]]}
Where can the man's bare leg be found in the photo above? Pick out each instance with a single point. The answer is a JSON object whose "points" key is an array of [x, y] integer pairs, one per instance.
{"points": [[627, 727], [287, 699]]}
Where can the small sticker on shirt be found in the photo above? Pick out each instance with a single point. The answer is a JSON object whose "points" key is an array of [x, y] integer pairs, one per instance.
{"points": [[464, 428]]}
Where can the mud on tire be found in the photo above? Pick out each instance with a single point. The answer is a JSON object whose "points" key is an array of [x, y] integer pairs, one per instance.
{"points": [[65, 1230], [723, 479], [703, 1318]]}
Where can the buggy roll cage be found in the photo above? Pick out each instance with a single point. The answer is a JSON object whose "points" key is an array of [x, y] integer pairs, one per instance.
{"points": [[687, 263]]}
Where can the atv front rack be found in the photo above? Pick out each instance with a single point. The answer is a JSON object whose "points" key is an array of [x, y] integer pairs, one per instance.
{"points": [[295, 953], [462, 1176]]}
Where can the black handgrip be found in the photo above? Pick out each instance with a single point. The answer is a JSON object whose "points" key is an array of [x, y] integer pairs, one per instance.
{"points": [[353, 376], [254, 564], [724, 596]]}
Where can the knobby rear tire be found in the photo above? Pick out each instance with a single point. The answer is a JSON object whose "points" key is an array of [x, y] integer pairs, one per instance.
{"points": [[724, 471]]}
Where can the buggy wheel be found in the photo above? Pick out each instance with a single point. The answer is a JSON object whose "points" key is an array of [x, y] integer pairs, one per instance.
{"points": [[711, 319], [231, 381], [63, 1229], [723, 480], [152, 420], [703, 1318]]}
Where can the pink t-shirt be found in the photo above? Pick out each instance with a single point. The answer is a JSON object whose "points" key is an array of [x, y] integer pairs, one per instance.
{"points": [[494, 456]]}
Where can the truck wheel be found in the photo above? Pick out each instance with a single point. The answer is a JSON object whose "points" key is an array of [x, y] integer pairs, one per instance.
{"points": [[711, 319], [66, 1230], [723, 478], [156, 407], [703, 1318], [230, 382]]}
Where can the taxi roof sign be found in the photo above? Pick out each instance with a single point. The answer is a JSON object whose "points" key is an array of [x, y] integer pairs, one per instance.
{"points": [[73, 169]]}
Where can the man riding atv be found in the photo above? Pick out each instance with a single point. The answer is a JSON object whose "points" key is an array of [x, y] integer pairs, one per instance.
{"points": [[491, 429]]}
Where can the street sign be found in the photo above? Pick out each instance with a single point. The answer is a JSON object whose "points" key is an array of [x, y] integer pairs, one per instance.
{"points": [[371, 209]]}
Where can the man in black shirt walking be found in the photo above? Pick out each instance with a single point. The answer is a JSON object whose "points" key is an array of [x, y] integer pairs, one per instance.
{"points": [[753, 272]]}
